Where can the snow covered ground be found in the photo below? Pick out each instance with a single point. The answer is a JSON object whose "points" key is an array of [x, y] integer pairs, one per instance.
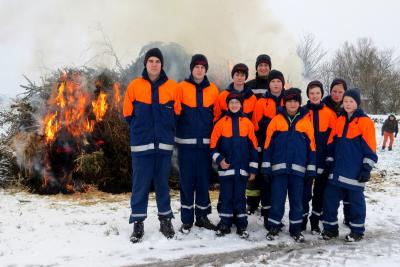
{"points": [[92, 230]]}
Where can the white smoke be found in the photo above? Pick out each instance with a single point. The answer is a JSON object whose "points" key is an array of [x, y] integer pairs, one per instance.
{"points": [[51, 34]]}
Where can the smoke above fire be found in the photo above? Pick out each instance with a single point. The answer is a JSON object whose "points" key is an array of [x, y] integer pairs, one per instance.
{"points": [[64, 33]]}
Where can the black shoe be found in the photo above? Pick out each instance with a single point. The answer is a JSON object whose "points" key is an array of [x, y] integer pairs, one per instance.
{"points": [[185, 228], [315, 230], [354, 237], [272, 233], [166, 228], [298, 237], [205, 223], [138, 232], [328, 235], [390, 149], [222, 230], [242, 233]]}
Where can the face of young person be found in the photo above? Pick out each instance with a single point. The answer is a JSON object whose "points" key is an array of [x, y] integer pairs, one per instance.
{"points": [[315, 95], [198, 73], [234, 105], [239, 78], [349, 104], [276, 86], [292, 106], [263, 69], [153, 66], [337, 93]]}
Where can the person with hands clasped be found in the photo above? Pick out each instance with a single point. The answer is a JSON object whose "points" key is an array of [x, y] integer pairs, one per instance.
{"points": [[288, 162], [351, 155], [234, 149]]}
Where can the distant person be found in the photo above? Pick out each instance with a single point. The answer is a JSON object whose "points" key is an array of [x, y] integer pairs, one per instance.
{"points": [[390, 127], [234, 150], [352, 155], [196, 97], [259, 85], [149, 111]]}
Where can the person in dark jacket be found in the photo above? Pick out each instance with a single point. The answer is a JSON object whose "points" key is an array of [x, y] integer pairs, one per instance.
{"points": [[288, 160], [334, 101], [323, 120], [390, 127], [195, 101], [234, 150], [351, 155], [149, 111], [259, 85]]}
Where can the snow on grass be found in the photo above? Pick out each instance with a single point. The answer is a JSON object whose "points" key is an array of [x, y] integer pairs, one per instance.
{"points": [[92, 230]]}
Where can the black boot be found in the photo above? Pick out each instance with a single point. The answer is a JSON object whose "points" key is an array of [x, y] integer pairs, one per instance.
{"points": [[204, 222], [328, 235], [390, 148], [222, 230], [166, 228], [242, 233], [272, 233], [185, 228], [298, 237], [354, 237], [138, 232]]}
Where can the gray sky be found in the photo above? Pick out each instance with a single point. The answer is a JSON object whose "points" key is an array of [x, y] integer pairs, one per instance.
{"points": [[42, 35]]}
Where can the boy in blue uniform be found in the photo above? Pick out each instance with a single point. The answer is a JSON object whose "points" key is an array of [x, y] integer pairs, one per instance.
{"points": [[234, 149], [288, 159], [352, 155]]}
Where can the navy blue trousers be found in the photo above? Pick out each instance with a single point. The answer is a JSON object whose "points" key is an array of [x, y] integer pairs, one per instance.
{"points": [[232, 200], [147, 168], [194, 173], [281, 185], [357, 207]]}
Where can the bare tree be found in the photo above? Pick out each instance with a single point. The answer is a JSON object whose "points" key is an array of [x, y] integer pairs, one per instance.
{"points": [[364, 66], [311, 53]]}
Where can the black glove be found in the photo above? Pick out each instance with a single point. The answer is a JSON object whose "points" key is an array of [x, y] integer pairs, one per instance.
{"points": [[267, 178], [364, 177], [395, 135]]}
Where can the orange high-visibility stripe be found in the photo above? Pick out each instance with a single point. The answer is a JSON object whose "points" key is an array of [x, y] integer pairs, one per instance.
{"points": [[358, 126], [140, 90], [279, 124]]}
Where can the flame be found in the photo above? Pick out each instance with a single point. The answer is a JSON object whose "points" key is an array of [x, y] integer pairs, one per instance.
{"points": [[69, 107], [51, 126], [100, 106], [117, 96]]}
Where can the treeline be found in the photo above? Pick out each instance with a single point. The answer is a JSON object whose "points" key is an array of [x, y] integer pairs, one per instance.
{"points": [[362, 64]]}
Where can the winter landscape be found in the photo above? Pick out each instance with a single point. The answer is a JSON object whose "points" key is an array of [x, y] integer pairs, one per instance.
{"points": [[92, 230]]}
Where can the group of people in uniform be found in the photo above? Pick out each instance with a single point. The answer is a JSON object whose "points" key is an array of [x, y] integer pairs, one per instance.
{"points": [[265, 144]]}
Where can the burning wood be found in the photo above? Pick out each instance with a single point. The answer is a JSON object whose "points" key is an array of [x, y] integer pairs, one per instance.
{"points": [[72, 128]]}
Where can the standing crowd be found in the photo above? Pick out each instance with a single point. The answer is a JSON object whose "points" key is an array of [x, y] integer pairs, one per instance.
{"points": [[266, 146]]}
